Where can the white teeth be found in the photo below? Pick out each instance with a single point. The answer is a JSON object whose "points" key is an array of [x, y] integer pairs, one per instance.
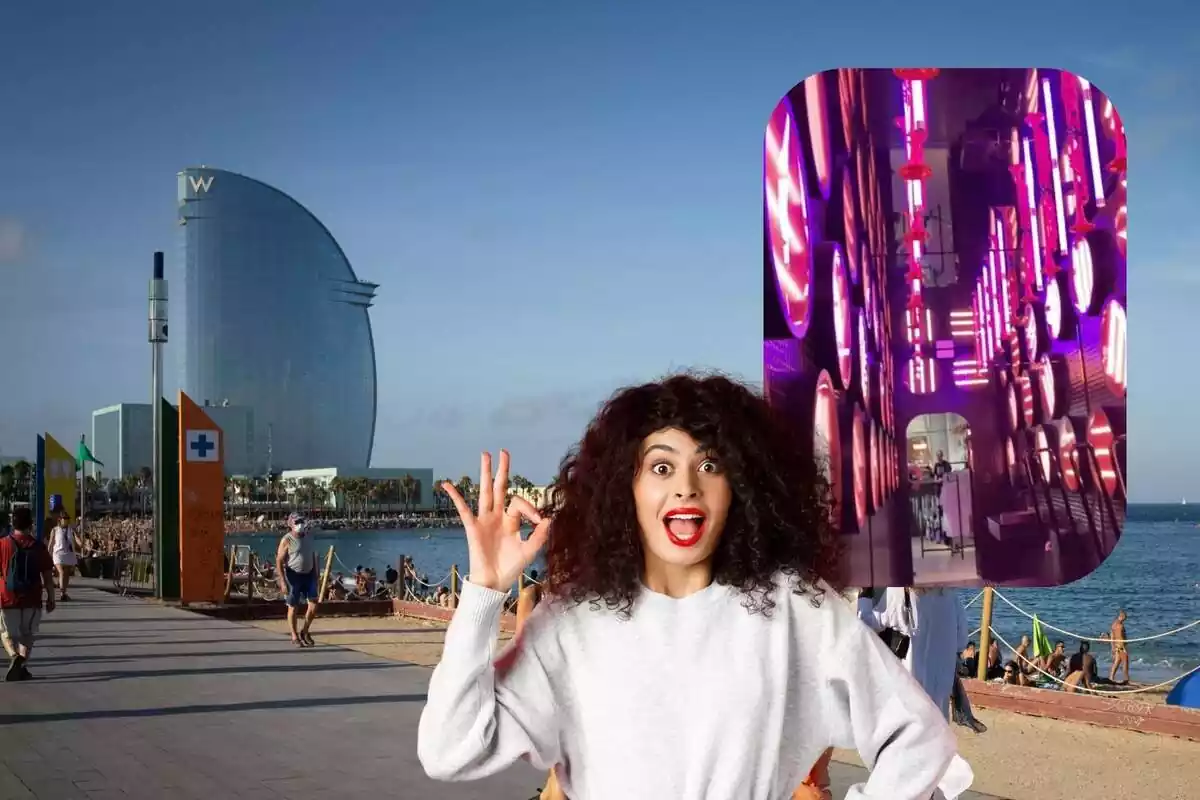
{"points": [[685, 516]]}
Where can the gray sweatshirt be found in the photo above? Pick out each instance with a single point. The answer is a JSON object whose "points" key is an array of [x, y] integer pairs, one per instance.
{"points": [[691, 699]]}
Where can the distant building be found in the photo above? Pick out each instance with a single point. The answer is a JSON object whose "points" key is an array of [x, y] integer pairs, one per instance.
{"points": [[422, 499], [122, 438], [272, 317]]}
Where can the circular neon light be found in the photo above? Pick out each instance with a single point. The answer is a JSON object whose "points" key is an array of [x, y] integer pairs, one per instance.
{"points": [[1043, 451], [1048, 386], [786, 198], [826, 435], [1026, 388], [876, 472], [1033, 334], [818, 130], [1083, 275], [1014, 409], [1113, 355], [859, 439], [1066, 456], [1100, 437], [842, 331], [864, 361], [1054, 309], [850, 225]]}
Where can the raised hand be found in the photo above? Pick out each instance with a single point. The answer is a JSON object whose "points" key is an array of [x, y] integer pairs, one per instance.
{"points": [[495, 549]]}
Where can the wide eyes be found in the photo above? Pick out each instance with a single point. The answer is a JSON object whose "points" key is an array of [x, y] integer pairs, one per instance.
{"points": [[664, 468]]}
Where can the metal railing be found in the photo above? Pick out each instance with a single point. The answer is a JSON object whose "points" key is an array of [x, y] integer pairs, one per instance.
{"points": [[134, 572]]}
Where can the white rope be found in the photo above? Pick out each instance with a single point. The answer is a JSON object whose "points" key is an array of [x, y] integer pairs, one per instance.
{"points": [[1020, 610], [971, 602], [1081, 688]]}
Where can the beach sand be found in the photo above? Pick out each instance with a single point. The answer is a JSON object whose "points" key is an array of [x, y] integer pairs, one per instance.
{"points": [[1019, 757]]}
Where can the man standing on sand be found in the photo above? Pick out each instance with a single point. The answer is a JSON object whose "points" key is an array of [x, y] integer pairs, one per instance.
{"points": [[296, 566], [1120, 655], [26, 570]]}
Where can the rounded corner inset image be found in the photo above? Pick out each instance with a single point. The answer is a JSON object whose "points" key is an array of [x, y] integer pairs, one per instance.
{"points": [[944, 270]]}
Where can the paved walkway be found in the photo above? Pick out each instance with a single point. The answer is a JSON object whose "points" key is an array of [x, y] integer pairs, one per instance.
{"points": [[138, 700]]}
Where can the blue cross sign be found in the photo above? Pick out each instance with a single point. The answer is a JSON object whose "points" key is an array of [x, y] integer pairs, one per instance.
{"points": [[203, 446]]}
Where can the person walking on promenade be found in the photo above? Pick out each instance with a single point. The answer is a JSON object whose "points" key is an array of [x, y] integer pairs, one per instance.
{"points": [[62, 546], [1120, 653], [296, 566], [28, 571], [690, 644]]}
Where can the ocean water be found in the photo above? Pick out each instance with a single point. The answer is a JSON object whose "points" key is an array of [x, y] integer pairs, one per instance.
{"points": [[1154, 575]]}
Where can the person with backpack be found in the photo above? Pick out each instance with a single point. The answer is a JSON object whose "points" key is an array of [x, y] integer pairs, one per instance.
{"points": [[27, 572]]}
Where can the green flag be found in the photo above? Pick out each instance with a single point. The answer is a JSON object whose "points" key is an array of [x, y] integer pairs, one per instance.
{"points": [[84, 455], [1041, 644]]}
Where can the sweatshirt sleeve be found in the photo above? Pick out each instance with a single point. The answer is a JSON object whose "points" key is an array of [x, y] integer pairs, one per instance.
{"points": [[877, 708], [480, 717]]}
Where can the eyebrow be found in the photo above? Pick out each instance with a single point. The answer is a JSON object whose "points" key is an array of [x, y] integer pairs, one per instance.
{"points": [[669, 449]]}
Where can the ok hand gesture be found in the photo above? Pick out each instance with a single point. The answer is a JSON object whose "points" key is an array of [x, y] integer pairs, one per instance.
{"points": [[496, 551]]}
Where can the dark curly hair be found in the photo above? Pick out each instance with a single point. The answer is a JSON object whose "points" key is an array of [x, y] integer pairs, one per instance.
{"points": [[779, 517]]}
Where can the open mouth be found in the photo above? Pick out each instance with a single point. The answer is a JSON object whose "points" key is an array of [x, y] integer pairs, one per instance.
{"points": [[685, 526]]}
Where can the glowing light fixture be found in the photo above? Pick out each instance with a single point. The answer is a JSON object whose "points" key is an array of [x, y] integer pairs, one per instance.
{"points": [[864, 361], [1089, 115], [787, 216], [1083, 275], [818, 129], [1054, 309], [1067, 454], [1112, 348], [1055, 173], [842, 320], [859, 445], [1100, 437]]}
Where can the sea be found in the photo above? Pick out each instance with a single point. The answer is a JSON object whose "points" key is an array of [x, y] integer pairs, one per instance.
{"points": [[1154, 575]]}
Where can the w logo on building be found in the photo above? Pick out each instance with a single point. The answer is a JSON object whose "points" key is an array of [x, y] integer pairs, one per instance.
{"points": [[201, 183]]}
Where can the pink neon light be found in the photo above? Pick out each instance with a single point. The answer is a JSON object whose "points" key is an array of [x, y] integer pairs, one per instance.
{"points": [[1014, 408], [1056, 177], [818, 129], [864, 361], [850, 225], [1033, 336], [1100, 437], [1033, 228], [1066, 455], [787, 216], [1026, 388], [1048, 386], [858, 439], [1054, 309], [846, 101], [842, 321], [1083, 276], [876, 472], [1002, 244], [1089, 115], [1113, 354], [1010, 454], [1043, 451], [826, 436]]}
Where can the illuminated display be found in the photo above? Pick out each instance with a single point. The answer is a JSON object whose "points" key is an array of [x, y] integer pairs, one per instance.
{"points": [[876, 472], [1100, 437], [818, 130], [850, 225], [1014, 408], [847, 94], [864, 361], [1112, 345], [1056, 178], [1083, 275], [858, 438], [787, 216], [842, 319], [1049, 388], [1054, 309], [826, 433], [1089, 115], [1010, 453], [1044, 454], [1067, 453], [1034, 343], [1025, 390]]}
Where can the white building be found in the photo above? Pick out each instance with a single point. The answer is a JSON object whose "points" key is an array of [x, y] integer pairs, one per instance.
{"points": [[422, 498], [122, 439]]}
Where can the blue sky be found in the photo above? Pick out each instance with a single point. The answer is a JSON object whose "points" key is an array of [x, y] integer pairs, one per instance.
{"points": [[557, 199]]}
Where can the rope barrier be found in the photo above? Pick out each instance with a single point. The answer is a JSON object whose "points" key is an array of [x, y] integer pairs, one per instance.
{"points": [[1020, 610], [1105, 692], [971, 602]]}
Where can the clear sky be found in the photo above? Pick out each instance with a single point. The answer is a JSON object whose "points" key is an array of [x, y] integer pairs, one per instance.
{"points": [[556, 198]]}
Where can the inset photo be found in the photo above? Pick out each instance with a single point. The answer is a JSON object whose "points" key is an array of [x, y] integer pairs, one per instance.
{"points": [[945, 309]]}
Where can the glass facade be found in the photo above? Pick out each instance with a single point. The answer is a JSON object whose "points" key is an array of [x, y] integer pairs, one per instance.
{"points": [[274, 319]]}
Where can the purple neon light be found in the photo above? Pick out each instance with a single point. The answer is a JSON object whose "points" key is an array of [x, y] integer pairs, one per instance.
{"points": [[1034, 232], [1055, 172]]}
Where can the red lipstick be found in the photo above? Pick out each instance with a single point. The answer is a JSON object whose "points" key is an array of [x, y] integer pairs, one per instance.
{"points": [[684, 526]]}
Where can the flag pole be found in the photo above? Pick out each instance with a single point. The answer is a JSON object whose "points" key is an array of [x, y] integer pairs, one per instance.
{"points": [[82, 487]]}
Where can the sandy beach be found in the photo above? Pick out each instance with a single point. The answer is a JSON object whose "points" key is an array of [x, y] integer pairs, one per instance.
{"points": [[1019, 757]]}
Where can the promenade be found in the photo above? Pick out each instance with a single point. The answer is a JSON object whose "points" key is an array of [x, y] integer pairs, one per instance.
{"points": [[135, 699]]}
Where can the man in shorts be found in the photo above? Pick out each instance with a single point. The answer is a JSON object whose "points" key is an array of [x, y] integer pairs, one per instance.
{"points": [[296, 566], [26, 572]]}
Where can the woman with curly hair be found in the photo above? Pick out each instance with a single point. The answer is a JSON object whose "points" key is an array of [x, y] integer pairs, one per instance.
{"points": [[691, 643]]}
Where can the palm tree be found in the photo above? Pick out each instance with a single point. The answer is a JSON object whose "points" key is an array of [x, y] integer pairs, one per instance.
{"points": [[8, 485], [407, 485], [23, 473]]}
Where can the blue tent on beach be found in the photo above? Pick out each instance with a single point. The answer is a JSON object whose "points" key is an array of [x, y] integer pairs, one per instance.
{"points": [[1186, 693]]}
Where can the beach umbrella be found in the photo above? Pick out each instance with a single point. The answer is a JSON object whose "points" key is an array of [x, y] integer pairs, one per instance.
{"points": [[1041, 644], [1186, 693]]}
